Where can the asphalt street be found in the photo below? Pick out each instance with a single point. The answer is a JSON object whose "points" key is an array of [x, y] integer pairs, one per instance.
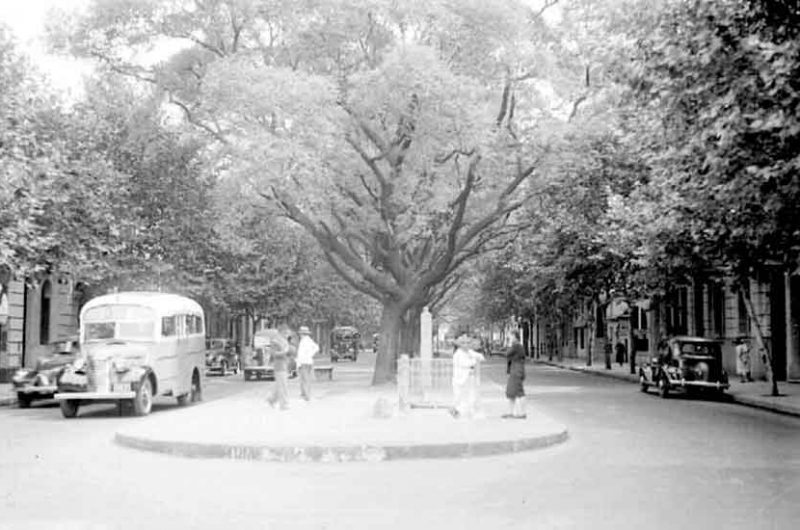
{"points": [[632, 461]]}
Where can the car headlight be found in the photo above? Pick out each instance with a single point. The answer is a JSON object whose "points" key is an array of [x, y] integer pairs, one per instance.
{"points": [[20, 374], [121, 365]]}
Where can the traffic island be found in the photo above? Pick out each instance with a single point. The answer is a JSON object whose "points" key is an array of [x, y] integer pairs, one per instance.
{"points": [[339, 427]]}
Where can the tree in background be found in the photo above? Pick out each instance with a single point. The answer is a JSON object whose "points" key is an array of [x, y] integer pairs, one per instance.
{"points": [[58, 196], [717, 84]]}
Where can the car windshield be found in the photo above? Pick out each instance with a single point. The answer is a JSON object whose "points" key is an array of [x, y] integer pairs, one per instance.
{"points": [[696, 348], [120, 322]]}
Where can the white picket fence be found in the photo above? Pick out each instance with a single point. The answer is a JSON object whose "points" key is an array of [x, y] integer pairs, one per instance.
{"points": [[427, 382]]}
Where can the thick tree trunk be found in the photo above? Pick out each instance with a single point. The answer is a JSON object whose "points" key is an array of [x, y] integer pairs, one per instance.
{"points": [[388, 344], [409, 342]]}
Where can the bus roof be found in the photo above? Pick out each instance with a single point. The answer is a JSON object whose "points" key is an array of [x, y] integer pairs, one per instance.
{"points": [[163, 303]]}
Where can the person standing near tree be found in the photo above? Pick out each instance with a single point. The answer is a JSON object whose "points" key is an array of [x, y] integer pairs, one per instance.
{"points": [[278, 350], [306, 350], [515, 389], [465, 366], [743, 360]]}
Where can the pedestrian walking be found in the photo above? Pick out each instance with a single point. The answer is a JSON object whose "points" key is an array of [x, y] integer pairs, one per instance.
{"points": [[743, 360], [306, 350], [515, 390], [465, 388], [620, 353], [278, 349]]}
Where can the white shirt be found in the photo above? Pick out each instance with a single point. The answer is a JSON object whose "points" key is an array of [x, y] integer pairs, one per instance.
{"points": [[463, 363], [306, 349]]}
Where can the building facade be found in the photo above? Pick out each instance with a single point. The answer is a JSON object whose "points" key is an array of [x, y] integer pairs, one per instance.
{"points": [[35, 316], [708, 307]]}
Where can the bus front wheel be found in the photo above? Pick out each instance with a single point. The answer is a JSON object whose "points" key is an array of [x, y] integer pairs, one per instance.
{"points": [[143, 401]]}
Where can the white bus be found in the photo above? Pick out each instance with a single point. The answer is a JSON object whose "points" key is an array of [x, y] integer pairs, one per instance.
{"points": [[134, 346]]}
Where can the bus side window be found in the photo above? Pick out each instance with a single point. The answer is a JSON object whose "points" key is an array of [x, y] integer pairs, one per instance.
{"points": [[168, 327], [199, 320], [191, 324]]}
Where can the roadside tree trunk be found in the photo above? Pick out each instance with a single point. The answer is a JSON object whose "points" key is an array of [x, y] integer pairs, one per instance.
{"points": [[762, 343], [388, 344]]}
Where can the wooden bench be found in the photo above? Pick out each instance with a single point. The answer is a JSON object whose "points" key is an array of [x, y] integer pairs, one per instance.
{"points": [[324, 370]]}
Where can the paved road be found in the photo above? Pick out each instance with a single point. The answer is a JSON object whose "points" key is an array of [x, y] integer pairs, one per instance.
{"points": [[632, 461]]}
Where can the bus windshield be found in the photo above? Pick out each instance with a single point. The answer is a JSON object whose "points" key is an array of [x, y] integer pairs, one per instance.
{"points": [[120, 322]]}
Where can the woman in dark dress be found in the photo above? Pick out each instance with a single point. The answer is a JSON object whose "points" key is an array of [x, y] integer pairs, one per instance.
{"points": [[515, 368]]}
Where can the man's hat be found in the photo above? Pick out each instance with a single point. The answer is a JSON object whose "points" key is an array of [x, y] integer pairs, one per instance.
{"points": [[464, 341], [304, 330]]}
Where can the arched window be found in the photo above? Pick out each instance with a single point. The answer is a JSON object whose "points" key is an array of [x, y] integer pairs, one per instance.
{"points": [[44, 314]]}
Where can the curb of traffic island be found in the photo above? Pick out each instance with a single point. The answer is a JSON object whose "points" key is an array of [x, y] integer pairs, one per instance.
{"points": [[341, 453]]}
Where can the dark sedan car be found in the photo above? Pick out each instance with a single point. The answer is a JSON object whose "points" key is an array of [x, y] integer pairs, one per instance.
{"points": [[687, 363], [41, 381], [221, 356]]}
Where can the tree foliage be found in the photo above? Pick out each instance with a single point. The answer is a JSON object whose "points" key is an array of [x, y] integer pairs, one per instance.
{"points": [[398, 136]]}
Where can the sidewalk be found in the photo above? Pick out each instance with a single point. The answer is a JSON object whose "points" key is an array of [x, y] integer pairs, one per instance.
{"points": [[336, 426], [755, 394]]}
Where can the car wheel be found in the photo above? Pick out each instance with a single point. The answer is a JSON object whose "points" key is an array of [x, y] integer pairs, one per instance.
{"points": [[643, 386], [23, 400], [663, 387], [69, 408], [143, 401]]}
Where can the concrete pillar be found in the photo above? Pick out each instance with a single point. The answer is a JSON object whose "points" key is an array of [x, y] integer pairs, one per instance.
{"points": [[426, 345]]}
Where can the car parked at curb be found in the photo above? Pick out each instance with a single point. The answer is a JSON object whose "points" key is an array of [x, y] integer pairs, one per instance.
{"points": [[221, 356], [41, 382], [690, 364]]}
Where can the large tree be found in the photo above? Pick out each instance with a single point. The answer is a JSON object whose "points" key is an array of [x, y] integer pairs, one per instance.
{"points": [[397, 136]]}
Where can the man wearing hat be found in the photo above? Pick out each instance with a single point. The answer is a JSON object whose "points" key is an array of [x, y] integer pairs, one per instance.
{"points": [[306, 350]]}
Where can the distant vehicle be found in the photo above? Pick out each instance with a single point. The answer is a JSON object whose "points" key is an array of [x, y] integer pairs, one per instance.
{"points": [[689, 364], [41, 382], [345, 341], [134, 346], [259, 365], [221, 356]]}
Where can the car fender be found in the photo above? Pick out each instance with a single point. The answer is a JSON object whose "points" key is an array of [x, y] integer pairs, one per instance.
{"points": [[136, 374]]}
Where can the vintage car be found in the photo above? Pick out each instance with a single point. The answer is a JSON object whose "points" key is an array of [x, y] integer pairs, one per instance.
{"points": [[259, 365], [687, 363], [41, 382], [221, 356], [345, 341]]}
